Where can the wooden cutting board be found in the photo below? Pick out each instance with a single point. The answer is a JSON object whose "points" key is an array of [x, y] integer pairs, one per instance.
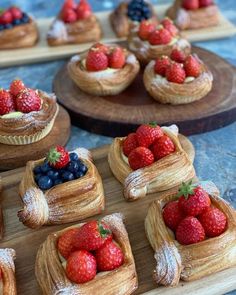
{"points": [[42, 52], [26, 241]]}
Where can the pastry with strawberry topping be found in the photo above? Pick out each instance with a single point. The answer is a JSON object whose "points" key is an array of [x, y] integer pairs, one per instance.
{"points": [[75, 24], [26, 115], [7, 272], [178, 79], [103, 69], [153, 40], [90, 258], [148, 160]]}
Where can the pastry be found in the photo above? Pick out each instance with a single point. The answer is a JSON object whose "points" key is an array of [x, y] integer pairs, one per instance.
{"points": [[17, 29], [112, 274], [103, 69], [128, 14], [63, 188], [75, 24], [190, 15], [1, 214], [149, 161], [174, 81], [7, 271], [151, 41], [26, 115], [206, 239]]}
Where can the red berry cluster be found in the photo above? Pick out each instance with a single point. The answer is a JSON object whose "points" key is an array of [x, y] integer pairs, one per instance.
{"points": [[196, 4], [146, 145], [71, 12], [12, 16], [192, 217]]}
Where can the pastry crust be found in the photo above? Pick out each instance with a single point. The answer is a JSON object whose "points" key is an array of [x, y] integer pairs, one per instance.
{"points": [[164, 174], [1, 214], [63, 203], [52, 278], [193, 19], [167, 92], [108, 82], [25, 35], [191, 262], [8, 281]]}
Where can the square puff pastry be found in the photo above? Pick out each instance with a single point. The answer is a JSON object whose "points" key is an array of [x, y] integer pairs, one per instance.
{"points": [[66, 202], [162, 175], [52, 277], [7, 266], [190, 262]]}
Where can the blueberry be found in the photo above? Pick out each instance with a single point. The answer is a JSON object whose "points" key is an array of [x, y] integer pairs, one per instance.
{"points": [[74, 157], [45, 183], [24, 19], [45, 167], [78, 174], [2, 27], [16, 22], [37, 170], [8, 26], [73, 166], [58, 181], [53, 174], [67, 176], [83, 168], [37, 176]]}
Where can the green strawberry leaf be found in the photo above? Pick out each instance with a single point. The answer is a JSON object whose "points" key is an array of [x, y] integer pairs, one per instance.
{"points": [[153, 124], [103, 231], [186, 189]]}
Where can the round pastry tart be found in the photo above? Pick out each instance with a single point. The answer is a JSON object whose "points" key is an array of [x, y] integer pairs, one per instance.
{"points": [[103, 69], [179, 79], [127, 16], [26, 115], [7, 272], [194, 14], [17, 29], [151, 41], [75, 24]]}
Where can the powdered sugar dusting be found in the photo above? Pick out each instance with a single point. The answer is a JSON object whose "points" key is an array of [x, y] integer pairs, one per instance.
{"points": [[172, 128], [131, 59], [84, 154], [75, 58], [58, 30], [68, 290], [7, 257]]}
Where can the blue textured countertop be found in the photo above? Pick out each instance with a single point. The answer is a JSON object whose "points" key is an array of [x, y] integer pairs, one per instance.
{"points": [[215, 151]]}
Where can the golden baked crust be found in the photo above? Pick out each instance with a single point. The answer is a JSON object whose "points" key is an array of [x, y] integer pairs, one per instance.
{"points": [[164, 174], [191, 262], [1, 214], [8, 281], [167, 92], [52, 278], [25, 35]]}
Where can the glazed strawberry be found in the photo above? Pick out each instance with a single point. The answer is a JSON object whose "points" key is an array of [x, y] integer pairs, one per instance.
{"points": [[175, 73], [109, 257], [145, 29], [190, 4], [69, 4], [213, 221], [169, 25], [161, 65], [193, 199], [96, 61], [178, 55], [6, 17], [58, 157], [16, 87], [93, 235], [130, 143], [101, 47], [205, 3], [81, 267], [116, 58], [148, 133], [28, 101], [162, 147], [6, 102], [160, 37], [83, 10], [192, 66], [190, 231], [140, 157], [15, 12], [172, 215], [69, 15], [65, 242]]}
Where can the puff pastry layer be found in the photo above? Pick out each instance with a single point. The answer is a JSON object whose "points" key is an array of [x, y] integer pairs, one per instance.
{"points": [[1, 214], [8, 281]]}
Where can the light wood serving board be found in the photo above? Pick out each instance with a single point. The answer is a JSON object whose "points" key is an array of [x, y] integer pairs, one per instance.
{"points": [[26, 241], [43, 52]]}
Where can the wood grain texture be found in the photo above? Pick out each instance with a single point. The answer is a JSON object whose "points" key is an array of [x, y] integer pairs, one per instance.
{"points": [[26, 241], [12, 156], [42, 52], [118, 115]]}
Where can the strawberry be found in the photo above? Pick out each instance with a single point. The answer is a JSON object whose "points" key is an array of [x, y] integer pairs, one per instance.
{"points": [[145, 29], [58, 157], [169, 25], [96, 61], [175, 73], [190, 231], [6, 102], [65, 243], [15, 12], [205, 3], [162, 147], [81, 267], [109, 257], [140, 157], [161, 65], [172, 215], [160, 37], [93, 235], [148, 133], [6, 17], [69, 4], [190, 4], [16, 87], [130, 143], [83, 10], [192, 66], [101, 47], [69, 15], [178, 55], [213, 221], [116, 58], [193, 199], [28, 101]]}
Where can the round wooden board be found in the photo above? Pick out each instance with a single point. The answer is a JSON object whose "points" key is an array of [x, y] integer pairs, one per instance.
{"points": [[118, 115], [12, 156]]}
